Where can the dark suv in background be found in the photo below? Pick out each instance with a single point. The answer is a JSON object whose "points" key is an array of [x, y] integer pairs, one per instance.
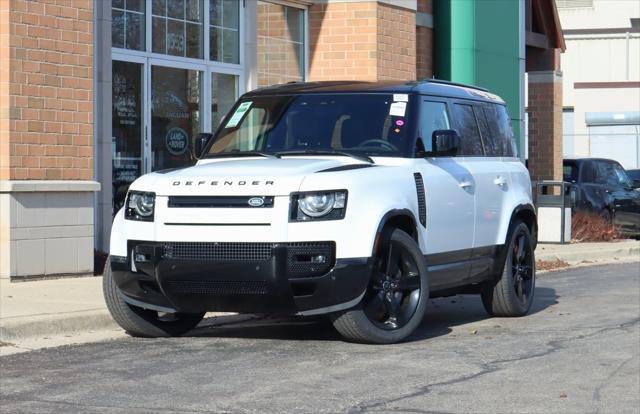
{"points": [[603, 187]]}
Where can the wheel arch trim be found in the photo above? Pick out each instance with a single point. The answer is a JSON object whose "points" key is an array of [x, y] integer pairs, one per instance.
{"points": [[388, 216], [526, 207]]}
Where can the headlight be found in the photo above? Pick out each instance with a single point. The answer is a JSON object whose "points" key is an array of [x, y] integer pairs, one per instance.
{"points": [[140, 206], [320, 205]]}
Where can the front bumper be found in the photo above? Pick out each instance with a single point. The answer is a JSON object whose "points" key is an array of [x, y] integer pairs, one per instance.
{"points": [[275, 278]]}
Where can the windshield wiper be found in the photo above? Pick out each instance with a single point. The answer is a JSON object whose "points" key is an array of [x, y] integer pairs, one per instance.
{"points": [[365, 158], [238, 153]]}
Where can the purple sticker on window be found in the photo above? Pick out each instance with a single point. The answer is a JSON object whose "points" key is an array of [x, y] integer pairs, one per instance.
{"points": [[399, 122]]}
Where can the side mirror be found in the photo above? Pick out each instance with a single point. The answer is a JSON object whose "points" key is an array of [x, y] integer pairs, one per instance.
{"points": [[200, 143], [445, 142], [636, 184]]}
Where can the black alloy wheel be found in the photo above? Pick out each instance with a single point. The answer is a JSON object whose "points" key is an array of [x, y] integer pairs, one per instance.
{"points": [[512, 293], [394, 292], [395, 300], [522, 268]]}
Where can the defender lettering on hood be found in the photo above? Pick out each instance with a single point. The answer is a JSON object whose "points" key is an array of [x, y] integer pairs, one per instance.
{"points": [[216, 183]]}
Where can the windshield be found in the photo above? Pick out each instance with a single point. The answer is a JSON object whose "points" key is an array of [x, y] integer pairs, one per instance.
{"points": [[365, 124]]}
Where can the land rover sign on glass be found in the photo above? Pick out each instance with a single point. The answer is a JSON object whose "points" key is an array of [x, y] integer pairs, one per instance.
{"points": [[177, 141]]}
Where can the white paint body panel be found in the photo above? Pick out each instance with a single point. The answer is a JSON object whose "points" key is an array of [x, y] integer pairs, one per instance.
{"points": [[455, 220]]}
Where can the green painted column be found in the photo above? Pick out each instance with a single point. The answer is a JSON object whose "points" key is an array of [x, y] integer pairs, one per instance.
{"points": [[481, 42]]}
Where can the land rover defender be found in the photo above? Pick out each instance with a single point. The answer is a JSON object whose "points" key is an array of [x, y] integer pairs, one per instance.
{"points": [[355, 200]]}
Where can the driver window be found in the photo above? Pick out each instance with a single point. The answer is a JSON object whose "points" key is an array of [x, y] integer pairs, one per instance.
{"points": [[623, 178], [433, 116]]}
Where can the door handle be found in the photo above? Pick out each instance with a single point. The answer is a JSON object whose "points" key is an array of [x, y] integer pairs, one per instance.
{"points": [[465, 184], [500, 181]]}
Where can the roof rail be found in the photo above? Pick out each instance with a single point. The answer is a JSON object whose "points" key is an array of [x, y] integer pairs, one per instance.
{"points": [[446, 82]]}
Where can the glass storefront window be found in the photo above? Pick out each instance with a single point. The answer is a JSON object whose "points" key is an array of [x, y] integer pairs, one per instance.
{"points": [[166, 89], [224, 31], [175, 115], [126, 146], [224, 90], [177, 28], [127, 27], [280, 44]]}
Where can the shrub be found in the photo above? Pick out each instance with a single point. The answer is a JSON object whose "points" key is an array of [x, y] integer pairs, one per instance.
{"points": [[589, 227]]}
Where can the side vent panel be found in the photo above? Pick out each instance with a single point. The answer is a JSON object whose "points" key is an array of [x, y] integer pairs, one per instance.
{"points": [[422, 202]]}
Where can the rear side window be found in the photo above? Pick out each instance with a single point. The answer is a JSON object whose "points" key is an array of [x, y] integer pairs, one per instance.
{"points": [[501, 142], [570, 173], [433, 116], [470, 142]]}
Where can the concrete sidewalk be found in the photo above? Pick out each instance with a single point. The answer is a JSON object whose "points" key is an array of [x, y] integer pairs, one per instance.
{"points": [[50, 307], [65, 307]]}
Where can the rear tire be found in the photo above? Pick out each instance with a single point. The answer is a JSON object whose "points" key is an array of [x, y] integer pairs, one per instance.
{"points": [[395, 301], [512, 294], [141, 322]]}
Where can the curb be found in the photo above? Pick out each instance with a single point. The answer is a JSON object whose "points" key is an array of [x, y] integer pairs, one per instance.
{"points": [[615, 251], [21, 329], [50, 325]]}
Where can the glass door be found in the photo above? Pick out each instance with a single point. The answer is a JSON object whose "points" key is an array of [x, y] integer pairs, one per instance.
{"points": [[176, 115], [127, 126], [224, 92]]}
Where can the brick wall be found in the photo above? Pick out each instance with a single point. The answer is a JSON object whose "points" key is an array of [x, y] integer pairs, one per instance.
{"points": [[545, 129], [50, 89], [279, 57], [342, 41], [424, 44], [424, 52], [4, 90], [396, 43], [362, 40]]}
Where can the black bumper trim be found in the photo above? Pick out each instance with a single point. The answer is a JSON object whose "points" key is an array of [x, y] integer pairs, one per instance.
{"points": [[270, 285]]}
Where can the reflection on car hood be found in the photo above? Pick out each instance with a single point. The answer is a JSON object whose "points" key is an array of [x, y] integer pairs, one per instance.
{"points": [[239, 176]]}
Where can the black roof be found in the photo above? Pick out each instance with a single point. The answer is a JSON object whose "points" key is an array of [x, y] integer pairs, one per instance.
{"points": [[426, 87], [585, 159]]}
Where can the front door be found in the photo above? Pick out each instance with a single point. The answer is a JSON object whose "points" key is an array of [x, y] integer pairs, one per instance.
{"points": [[450, 199]]}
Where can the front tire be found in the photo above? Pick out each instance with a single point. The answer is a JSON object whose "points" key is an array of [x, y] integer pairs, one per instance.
{"points": [[395, 301], [512, 294], [141, 322]]}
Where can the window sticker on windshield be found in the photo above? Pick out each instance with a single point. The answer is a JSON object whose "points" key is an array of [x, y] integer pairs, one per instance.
{"points": [[239, 114], [400, 97], [398, 109]]}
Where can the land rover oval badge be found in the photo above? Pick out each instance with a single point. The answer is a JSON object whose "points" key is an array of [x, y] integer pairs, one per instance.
{"points": [[256, 201]]}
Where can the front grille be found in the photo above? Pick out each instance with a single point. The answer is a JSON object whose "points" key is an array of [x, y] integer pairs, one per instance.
{"points": [[220, 202], [218, 287], [218, 251], [300, 255]]}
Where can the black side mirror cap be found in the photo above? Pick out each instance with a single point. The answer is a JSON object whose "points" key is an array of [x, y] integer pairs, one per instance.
{"points": [[445, 142], [200, 143]]}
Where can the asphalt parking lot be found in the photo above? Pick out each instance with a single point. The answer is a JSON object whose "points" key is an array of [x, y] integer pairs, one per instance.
{"points": [[578, 351]]}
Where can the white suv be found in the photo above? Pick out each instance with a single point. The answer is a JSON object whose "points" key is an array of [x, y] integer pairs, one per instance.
{"points": [[356, 200]]}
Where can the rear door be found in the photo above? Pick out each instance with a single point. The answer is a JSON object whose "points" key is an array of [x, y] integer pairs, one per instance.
{"points": [[483, 157], [490, 177]]}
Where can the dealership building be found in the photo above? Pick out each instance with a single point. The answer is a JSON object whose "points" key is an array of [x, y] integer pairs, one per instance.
{"points": [[96, 93]]}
